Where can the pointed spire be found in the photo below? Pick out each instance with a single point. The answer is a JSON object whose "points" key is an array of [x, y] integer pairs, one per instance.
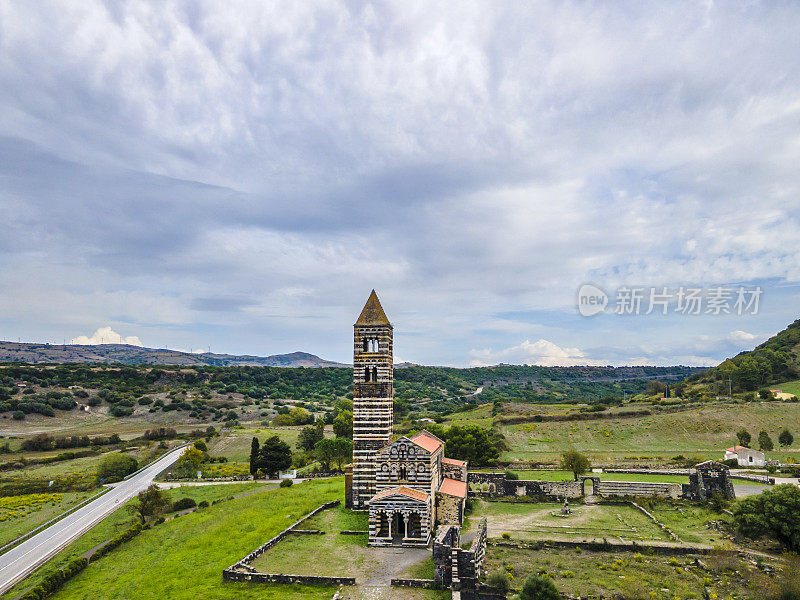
{"points": [[373, 312]]}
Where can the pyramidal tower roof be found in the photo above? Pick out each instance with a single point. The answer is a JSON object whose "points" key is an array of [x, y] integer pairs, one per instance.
{"points": [[373, 314]]}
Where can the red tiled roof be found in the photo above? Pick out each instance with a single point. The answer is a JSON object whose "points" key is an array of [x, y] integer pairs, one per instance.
{"points": [[737, 449], [453, 461], [452, 487], [427, 440], [403, 491]]}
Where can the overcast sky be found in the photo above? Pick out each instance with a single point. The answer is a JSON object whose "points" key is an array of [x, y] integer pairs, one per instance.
{"points": [[240, 175]]}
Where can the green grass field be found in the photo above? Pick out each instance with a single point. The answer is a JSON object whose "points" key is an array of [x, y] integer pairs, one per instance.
{"points": [[702, 432], [790, 387], [629, 575], [21, 514], [567, 476], [534, 521], [184, 558], [235, 444]]}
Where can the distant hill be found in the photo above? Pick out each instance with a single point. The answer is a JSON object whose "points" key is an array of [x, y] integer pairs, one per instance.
{"points": [[137, 355], [775, 361]]}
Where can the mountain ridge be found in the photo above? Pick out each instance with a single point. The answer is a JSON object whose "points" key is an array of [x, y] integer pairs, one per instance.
{"points": [[35, 353]]}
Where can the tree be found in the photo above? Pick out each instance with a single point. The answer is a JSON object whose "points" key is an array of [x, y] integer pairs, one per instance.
{"points": [[774, 512], [310, 435], [655, 388], [275, 456], [766, 394], [574, 461], [764, 441], [201, 445], [343, 450], [114, 467], [254, 446], [152, 501], [470, 443], [744, 437], [343, 424], [189, 462], [325, 451], [539, 587], [785, 438]]}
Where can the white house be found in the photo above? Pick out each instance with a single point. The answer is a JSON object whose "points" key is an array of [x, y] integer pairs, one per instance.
{"points": [[746, 457]]}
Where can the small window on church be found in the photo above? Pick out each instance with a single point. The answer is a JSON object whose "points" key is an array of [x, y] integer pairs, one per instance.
{"points": [[366, 373], [403, 473], [374, 373], [365, 344]]}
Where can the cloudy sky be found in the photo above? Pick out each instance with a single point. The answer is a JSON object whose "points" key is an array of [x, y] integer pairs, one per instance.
{"points": [[241, 175]]}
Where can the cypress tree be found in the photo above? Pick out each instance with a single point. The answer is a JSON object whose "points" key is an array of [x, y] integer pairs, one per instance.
{"points": [[254, 456]]}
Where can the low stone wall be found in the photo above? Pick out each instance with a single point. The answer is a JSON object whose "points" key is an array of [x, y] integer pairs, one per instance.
{"points": [[264, 547], [650, 471], [229, 575], [353, 532], [609, 546], [493, 485], [414, 583], [764, 479], [638, 488], [663, 527]]}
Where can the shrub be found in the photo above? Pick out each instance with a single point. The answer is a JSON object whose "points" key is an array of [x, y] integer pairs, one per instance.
{"points": [[115, 467], [506, 536], [511, 476], [539, 587], [183, 504], [18, 415], [774, 512], [203, 504], [499, 581], [285, 483]]}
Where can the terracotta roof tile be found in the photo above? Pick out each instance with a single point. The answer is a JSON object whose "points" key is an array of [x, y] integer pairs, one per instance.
{"points": [[451, 487], [453, 461], [403, 491], [427, 440]]}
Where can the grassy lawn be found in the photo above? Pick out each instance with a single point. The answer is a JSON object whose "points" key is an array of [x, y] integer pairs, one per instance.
{"points": [[329, 554], [631, 575], [702, 432], [689, 522], [235, 444], [790, 387], [21, 514], [532, 521], [184, 558], [209, 493]]}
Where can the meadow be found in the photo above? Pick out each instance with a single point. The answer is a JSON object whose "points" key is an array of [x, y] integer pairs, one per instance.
{"points": [[183, 558], [21, 514]]}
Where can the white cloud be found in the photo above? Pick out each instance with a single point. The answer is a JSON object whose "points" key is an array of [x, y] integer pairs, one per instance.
{"points": [[741, 337], [541, 352], [106, 335]]}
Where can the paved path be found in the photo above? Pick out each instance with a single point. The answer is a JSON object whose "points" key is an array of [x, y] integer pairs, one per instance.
{"points": [[21, 560]]}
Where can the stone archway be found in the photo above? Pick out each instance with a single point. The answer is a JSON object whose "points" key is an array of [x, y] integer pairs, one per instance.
{"points": [[398, 527], [414, 525], [383, 525]]}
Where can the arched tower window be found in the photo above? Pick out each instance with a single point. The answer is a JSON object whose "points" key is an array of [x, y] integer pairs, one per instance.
{"points": [[365, 343], [403, 473], [366, 373], [374, 373]]}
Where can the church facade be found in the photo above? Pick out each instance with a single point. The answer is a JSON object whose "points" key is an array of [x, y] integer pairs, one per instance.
{"points": [[407, 485]]}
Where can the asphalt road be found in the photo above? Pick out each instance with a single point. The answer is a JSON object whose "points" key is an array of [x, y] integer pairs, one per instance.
{"points": [[21, 560]]}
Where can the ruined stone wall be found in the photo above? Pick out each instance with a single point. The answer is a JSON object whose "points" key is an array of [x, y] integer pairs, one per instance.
{"points": [[493, 485], [449, 509], [638, 488], [459, 473]]}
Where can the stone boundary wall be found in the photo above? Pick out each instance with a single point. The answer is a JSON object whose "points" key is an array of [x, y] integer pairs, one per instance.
{"points": [[493, 485], [650, 471], [264, 547], [652, 517], [353, 532], [229, 575], [765, 479], [638, 488], [427, 584], [610, 546]]}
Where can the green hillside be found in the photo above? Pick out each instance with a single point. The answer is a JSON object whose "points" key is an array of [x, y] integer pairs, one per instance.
{"points": [[775, 361]]}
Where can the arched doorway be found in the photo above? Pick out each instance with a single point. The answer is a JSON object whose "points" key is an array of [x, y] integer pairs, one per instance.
{"points": [[398, 527], [588, 487], [414, 525], [383, 525]]}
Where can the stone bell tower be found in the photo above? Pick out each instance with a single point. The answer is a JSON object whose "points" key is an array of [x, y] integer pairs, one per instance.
{"points": [[373, 390]]}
